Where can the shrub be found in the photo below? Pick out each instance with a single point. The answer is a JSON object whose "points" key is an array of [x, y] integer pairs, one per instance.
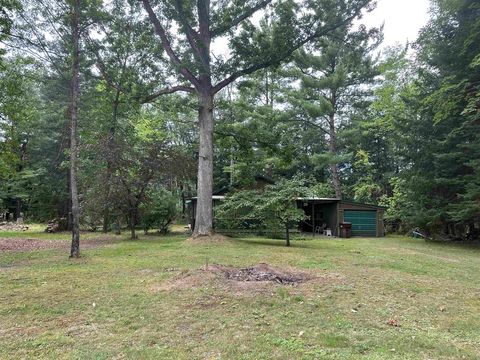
{"points": [[159, 212]]}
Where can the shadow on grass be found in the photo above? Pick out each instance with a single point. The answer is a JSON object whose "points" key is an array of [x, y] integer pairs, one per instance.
{"points": [[155, 239], [461, 245], [274, 242], [470, 245]]}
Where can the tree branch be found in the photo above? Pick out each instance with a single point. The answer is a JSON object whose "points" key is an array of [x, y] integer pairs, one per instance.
{"points": [[249, 12], [238, 137], [307, 122], [39, 46], [192, 35], [103, 69], [203, 8], [166, 91], [277, 59], [167, 46]]}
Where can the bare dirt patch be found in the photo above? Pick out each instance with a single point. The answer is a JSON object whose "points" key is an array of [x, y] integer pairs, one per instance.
{"points": [[249, 280], [26, 244], [260, 272], [215, 239], [20, 244]]}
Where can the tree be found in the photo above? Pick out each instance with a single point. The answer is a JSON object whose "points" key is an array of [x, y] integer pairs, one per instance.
{"points": [[6, 9], [275, 207], [121, 74], [374, 134], [238, 211], [189, 50], [336, 75], [278, 204], [365, 189], [52, 31], [19, 109], [249, 130], [444, 163], [73, 110]]}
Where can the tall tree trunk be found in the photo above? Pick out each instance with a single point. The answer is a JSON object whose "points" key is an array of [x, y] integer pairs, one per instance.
{"points": [[18, 209], [133, 235], [106, 221], [75, 92], [67, 211], [287, 233], [267, 89], [184, 200], [20, 167], [118, 229], [110, 161], [133, 222], [333, 150], [204, 215], [232, 163]]}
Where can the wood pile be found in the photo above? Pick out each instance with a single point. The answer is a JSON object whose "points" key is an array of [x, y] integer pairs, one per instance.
{"points": [[56, 225]]}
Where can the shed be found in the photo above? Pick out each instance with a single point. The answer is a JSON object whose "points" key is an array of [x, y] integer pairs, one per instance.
{"points": [[366, 220]]}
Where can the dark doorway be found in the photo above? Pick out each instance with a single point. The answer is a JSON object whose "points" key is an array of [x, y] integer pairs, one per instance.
{"points": [[316, 217]]}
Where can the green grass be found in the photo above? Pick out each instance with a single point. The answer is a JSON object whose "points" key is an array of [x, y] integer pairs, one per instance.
{"points": [[431, 290]]}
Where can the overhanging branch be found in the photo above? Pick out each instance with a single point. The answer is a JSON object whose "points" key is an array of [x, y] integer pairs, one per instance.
{"points": [[249, 12], [167, 46], [278, 59], [192, 35], [171, 90]]}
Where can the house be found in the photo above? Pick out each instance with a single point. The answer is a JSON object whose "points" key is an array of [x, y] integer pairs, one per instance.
{"points": [[329, 213]]}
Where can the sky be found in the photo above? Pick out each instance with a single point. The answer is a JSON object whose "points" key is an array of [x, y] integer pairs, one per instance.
{"points": [[403, 19]]}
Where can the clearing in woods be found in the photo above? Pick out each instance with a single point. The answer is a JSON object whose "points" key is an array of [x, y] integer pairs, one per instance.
{"points": [[249, 298]]}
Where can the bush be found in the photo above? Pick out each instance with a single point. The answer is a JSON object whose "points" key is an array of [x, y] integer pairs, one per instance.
{"points": [[91, 209], [159, 212]]}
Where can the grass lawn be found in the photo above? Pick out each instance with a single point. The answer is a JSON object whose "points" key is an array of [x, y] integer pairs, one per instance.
{"points": [[391, 298]]}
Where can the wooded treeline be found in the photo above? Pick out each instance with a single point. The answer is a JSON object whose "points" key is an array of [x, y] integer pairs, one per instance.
{"points": [[297, 94]]}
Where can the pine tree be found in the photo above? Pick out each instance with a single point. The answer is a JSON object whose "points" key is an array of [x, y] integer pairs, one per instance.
{"points": [[335, 73], [444, 172]]}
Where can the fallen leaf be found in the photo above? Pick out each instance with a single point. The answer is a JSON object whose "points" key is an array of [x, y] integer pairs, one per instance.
{"points": [[393, 322]]}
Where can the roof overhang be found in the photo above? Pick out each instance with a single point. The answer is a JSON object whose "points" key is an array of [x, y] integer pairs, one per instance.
{"points": [[214, 197], [222, 197], [319, 199]]}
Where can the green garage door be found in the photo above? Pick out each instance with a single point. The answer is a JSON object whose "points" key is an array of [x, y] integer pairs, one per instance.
{"points": [[364, 223]]}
